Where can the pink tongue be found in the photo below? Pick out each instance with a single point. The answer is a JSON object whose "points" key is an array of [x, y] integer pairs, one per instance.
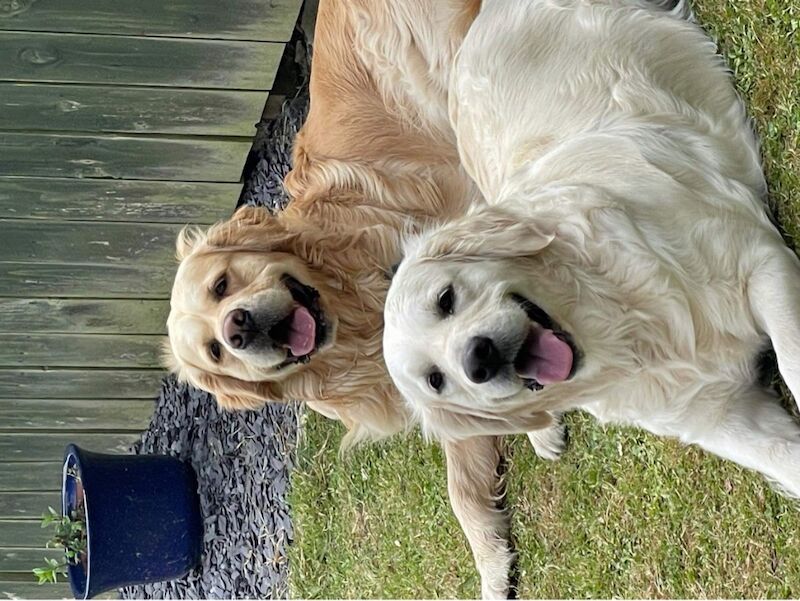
{"points": [[544, 357], [302, 332]]}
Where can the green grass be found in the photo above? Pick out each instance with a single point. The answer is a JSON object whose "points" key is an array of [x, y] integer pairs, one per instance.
{"points": [[622, 514]]}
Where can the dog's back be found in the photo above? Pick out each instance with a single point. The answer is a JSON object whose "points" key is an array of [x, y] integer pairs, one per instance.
{"points": [[543, 78], [379, 97]]}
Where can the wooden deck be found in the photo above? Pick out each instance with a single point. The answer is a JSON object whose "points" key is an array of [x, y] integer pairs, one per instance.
{"points": [[120, 121]]}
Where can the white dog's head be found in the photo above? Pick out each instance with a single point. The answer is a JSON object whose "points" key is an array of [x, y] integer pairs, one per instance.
{"points": [[474, 321]]}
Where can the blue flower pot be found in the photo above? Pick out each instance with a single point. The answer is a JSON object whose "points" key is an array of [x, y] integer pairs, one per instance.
{"points": [[143, 518]]}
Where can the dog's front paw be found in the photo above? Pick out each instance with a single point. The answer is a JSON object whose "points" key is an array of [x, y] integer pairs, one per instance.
{"points": [[496, 591], [495, 576], [549, 443]]}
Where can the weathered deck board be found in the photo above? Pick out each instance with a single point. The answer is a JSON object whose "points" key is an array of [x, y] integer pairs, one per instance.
{"points": [[43, 447], [49, 414], [83, 316], [42, 476], [37, 476], [119, 122], [93, 242], [97, 243], [264, 20], [121, 60], [23, 533], [125, 109], [117, 200], [13, 559], [31, 590], [27, 505], [79, 383], [190, 159], [79, 350], [12, 586], [95, 281]]}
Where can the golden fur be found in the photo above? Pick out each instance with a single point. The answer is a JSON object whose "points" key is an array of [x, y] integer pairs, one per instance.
{"points": [[367, 166], [375, 158]]}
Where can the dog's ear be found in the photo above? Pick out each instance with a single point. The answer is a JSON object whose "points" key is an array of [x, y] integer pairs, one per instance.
{"points": [[169, 360], [235, 395], [486, 233], [189, 238], [251, 228], [248, 227]]}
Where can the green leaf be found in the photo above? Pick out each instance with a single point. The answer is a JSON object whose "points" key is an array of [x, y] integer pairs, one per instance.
{"points": [[51, 571]]}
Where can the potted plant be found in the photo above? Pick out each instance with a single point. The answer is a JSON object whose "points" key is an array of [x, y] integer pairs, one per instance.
{"points": [[127, 519], [69, 535]]}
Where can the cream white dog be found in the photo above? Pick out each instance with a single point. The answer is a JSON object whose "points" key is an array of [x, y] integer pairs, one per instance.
{"points": [[623, 262]]}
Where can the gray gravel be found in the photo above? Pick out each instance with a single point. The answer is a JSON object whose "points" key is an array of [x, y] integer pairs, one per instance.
{"points": [[243, 460]]}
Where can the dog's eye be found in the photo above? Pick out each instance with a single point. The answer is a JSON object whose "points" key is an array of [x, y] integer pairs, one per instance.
{"points": [[447, 301], [220, 286], [216, 350], [436, 380]]}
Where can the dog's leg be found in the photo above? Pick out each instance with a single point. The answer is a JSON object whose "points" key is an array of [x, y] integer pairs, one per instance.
{"points": [[475, 487], [753, 430], [549, 443], [774, 293]]}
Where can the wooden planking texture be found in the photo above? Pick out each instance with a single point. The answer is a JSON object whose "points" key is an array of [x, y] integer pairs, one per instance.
{"points": [[41, 476], [99, 281], [79, 350], [269, 21], [192, 159], [24, 534], [27, 446], [83, 316], [14, 559], [27, 505], [79, 383], [49, 414], [100, 243], [31, 590], [13, 587], [119, 60], [117, 122], [116, 200], [129, 109]]}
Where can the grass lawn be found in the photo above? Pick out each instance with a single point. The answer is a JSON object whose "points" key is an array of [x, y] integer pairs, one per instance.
{"points": [[622, 514]]}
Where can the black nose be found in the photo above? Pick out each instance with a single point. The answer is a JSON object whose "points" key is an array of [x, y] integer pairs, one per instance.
{"points": [[482, 360], [238, 329]]}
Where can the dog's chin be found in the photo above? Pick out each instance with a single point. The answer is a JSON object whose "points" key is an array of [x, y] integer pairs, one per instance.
{"points": [[305, 331], [548, 354]]}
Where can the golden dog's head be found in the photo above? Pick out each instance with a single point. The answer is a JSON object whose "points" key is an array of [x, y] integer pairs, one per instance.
{"points": [[247, 312]]}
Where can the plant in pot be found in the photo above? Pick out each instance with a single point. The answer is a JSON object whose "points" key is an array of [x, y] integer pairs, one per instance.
{"points": [[140, 515], [70, 535]]}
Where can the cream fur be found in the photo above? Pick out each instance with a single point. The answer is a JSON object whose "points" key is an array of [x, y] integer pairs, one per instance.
{"points": [[625, 197]]}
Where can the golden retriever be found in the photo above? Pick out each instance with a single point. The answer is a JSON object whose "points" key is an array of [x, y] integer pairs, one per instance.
{"points": [[289, 306], [624, 262]]}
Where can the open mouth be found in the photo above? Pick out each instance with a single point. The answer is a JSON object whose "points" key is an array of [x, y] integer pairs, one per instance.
{"points": [[548, 354], [305, 328]]}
